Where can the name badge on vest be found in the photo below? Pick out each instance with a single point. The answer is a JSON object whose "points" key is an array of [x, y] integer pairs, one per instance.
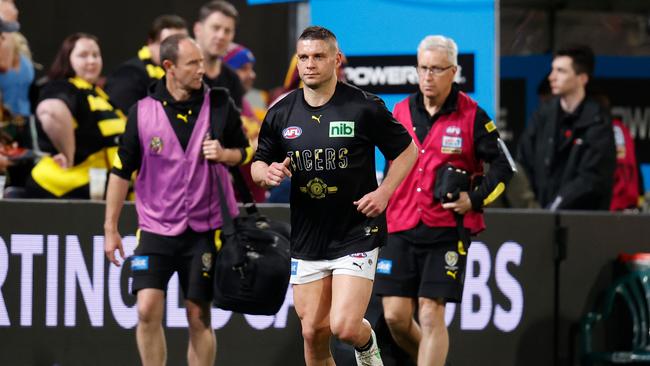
{"points": [[156, 145], [452, 145]]}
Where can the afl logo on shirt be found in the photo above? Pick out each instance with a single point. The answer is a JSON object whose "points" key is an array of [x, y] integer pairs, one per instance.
{"points": [[291, 132], [453, 130]]}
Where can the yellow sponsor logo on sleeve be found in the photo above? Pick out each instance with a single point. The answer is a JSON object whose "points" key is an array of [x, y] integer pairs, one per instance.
{"points": [[494, 194], [117, 162], [249, 155], [490, 126]]}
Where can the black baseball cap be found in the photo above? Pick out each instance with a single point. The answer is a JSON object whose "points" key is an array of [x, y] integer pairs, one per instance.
{"points": [[9, 26]]}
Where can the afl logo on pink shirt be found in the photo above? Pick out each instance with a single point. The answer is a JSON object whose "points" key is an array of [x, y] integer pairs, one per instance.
{"points": [[291, 132]]}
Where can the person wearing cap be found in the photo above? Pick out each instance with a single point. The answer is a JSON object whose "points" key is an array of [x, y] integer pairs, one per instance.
{"points": [[130, 81], [242, 60]]}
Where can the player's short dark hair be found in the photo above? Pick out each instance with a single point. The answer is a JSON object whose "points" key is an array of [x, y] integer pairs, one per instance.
{"points": [[317, 33], [169, 47], [164, 22], [582, 58], [218, 6]]}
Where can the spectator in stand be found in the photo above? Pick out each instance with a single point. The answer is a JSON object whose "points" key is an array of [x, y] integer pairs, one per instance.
{"points": [[16, 68], [625, 193], [242, 60], [16, 78], [78, 125], [214, 31], [627, 179], [6, 29], [8, 11], [567, 149], [130, 81], [16, 73]]}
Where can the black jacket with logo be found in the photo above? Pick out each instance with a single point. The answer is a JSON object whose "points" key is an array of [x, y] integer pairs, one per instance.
{"points": [[570, 158]]}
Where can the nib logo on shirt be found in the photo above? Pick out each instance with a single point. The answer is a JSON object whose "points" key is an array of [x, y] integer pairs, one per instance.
{"points": [[342, 129]]}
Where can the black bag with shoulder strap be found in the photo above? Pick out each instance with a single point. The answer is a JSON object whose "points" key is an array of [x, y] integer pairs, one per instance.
{"points": [[219, 98], [263, 222], [252, 268], [251, 271]]}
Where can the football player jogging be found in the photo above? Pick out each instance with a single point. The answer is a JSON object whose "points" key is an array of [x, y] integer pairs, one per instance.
{"points": [[324, 136]]}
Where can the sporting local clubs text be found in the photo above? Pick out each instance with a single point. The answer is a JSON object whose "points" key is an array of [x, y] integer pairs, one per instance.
{"points": [[66, 278]]}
